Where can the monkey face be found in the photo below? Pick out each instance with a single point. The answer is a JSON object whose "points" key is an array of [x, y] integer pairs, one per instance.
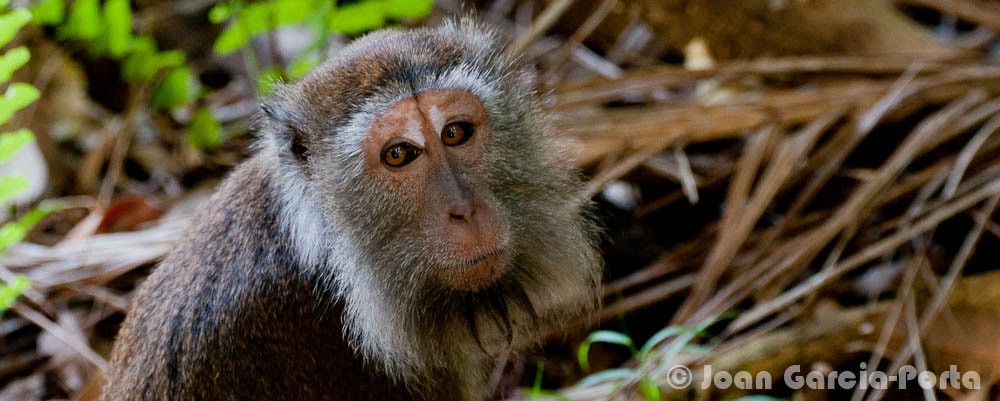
{"points": [[429, 151], [425, 188]]}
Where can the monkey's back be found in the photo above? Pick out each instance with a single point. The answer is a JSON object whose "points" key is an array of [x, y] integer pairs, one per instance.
{"points": [[228, 316]]}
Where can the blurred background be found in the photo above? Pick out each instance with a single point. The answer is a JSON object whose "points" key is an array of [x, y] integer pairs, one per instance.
{"points": [[782, 183]]}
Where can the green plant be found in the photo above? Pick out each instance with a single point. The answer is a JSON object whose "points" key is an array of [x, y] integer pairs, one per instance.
{"points": [[17, 96], [652, 363], [107, 30], [204, 129], [322, 18], [536, 391], [10, 291], [537, 386]]}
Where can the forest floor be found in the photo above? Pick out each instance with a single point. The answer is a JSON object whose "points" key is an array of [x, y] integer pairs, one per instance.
{"points": [[781, 184]]}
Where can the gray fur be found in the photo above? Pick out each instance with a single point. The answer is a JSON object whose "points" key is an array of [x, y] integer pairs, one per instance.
{"points": [[364, 246]]}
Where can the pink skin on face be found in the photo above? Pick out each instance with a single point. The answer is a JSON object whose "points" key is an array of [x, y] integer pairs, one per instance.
{"points": [[472, 242]]}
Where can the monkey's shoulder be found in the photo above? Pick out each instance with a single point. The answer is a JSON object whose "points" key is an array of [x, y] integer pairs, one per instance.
{"points": [[229, 313]]}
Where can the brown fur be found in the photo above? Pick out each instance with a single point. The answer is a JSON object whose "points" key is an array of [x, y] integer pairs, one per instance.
{"points": [[213, 324], [313, 274]]}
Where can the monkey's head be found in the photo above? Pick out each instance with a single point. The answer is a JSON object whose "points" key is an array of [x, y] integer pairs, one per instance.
{"points": [[423, 185]]}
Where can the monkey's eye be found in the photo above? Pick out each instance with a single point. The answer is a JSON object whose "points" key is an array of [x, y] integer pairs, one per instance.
{"points": [[400, 154], [455, 134]]}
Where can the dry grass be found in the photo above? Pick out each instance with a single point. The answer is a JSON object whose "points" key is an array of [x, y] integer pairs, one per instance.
{"points": [[821, 168]]}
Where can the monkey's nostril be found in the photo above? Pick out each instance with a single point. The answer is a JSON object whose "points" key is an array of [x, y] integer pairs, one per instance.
{"points": [[461, 212]]}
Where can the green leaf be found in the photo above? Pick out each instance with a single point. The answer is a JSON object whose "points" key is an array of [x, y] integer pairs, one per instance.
{"points": [[219, 13], [84, 21], [610, 337], [10, 291], [144, 60], [169, 59], [609, 375], [14, 232], [118, 20], [18, 96], [140, 65], [49, 12], [660, 336], [267, 78], [256, 17], [600, 336], [12, 60], [204, 131], [324, 10], [290, 12], [173, 90], [536, 391], [684, 339], [302, 65], [12, 22], [536, 388], [234, 37], [11, 185], [412, 9], [649, 389], [534, 395], [12, 142], [358, 17]]}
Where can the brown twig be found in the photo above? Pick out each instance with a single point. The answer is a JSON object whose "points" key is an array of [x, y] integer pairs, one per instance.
{"points": [[545, 20]]}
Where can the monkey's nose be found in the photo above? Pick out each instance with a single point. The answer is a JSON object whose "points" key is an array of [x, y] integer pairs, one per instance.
{"points": [[461, 212], [471, 223], [471, 226]]}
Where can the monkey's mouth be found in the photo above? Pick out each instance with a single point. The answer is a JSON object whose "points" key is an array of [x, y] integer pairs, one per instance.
{"points": [[478, 272]]}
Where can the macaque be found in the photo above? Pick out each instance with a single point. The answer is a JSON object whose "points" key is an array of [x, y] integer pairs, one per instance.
{"points": [[408, 217]]}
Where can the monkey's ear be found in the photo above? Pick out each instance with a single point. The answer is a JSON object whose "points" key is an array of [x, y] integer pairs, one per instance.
{"points": [[287, 136], [268, 110]]}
